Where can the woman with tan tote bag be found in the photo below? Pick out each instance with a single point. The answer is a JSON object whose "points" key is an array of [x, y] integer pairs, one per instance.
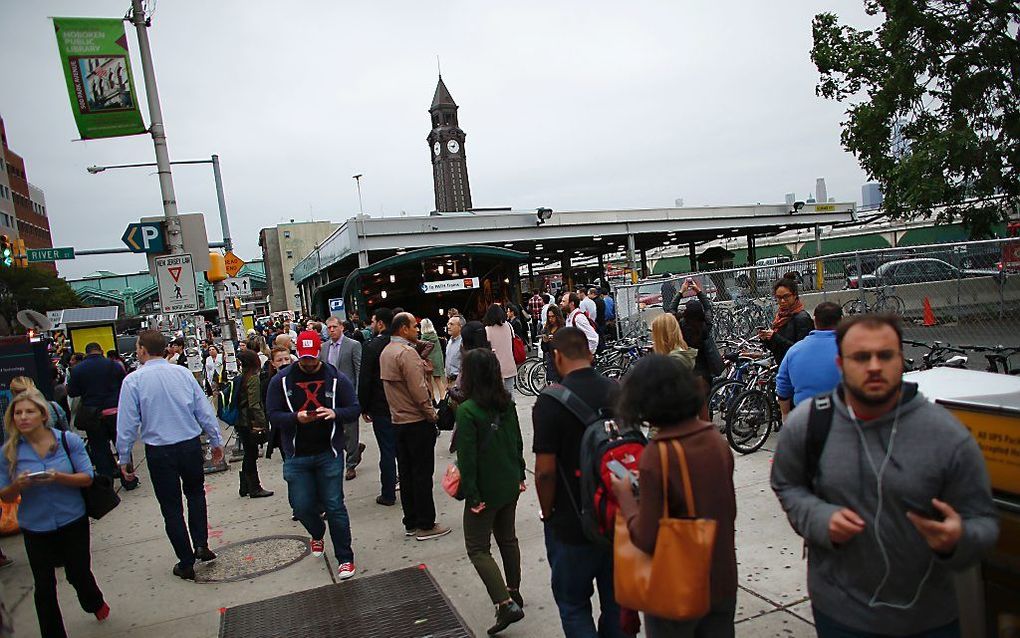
{"points": [[673, 551]]}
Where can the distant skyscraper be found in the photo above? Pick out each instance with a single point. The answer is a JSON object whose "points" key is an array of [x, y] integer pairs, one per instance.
{"points": [[679, 202], [791, 198], [871, 195], [820, 192]]}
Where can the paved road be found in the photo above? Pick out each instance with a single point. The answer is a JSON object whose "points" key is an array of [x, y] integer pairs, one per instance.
{"points": [[132, 558]]}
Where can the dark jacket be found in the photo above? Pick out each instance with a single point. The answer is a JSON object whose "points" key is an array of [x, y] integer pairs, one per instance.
{"points": [[490, 459], [709, 362], [710, 466], [793, 331], [97, 381], [252, 414], [371, 394], [282, 405]]}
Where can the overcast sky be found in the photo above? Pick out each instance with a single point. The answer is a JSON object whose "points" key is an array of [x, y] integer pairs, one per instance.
{"points": [[570, 105]]}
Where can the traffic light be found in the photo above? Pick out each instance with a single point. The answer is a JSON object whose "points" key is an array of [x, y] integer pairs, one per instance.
{"points": [[20, 254], [6, 252]]}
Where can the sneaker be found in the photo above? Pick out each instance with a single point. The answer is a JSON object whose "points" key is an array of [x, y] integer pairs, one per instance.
{"points": [[318, 546], [361, 452], [345, 571], [436, 531], [204, 554], [506, 615], [381, 500], [410, 532], [103, 612], [351, 474]]}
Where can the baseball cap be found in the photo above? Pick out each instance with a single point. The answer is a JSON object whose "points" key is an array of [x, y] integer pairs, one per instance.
{"points": [[308, 344]]}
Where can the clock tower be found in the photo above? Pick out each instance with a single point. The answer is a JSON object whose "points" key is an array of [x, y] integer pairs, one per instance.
{"points": [[446, 148]]}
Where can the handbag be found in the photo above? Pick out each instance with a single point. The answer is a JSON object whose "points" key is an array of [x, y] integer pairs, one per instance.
{"points": [[9, 517], [674, 582], [447, 416], [100, 497], [229, 410], [520, 352]]}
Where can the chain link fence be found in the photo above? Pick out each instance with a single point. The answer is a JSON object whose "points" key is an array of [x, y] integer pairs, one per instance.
{"points": [[961, 293]]}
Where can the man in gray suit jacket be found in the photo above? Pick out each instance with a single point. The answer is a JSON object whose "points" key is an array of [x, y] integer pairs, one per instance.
{"points": [[344, 354]]}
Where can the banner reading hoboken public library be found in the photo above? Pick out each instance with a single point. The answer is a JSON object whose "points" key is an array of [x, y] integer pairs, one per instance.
{"points": [[94, 54]]}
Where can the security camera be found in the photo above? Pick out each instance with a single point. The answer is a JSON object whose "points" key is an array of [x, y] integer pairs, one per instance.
{"points": [[543, 214]]}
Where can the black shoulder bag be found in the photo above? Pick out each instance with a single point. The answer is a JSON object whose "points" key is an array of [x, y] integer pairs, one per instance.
{"points": [[100, 497]]}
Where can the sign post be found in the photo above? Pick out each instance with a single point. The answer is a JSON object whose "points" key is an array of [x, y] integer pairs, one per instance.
{"points": [[178, 292]]}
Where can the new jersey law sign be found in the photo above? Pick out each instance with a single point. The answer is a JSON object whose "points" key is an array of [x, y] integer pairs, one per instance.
{"points": [[97, 68]]}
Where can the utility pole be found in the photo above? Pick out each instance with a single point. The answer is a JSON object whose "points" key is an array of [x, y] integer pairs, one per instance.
{"points": [[222, 202], [166, 181]]}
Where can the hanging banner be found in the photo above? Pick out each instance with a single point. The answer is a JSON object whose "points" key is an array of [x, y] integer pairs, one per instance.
{"points": [[94, 54]]}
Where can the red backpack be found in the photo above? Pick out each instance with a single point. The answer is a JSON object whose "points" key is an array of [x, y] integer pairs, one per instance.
{"points": [[603, 441]]}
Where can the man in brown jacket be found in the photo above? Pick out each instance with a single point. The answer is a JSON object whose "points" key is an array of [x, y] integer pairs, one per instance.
{"points": [[414, 418]]}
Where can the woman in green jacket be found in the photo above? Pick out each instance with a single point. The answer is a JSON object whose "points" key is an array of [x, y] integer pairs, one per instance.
{"points": [[252, 426], [490, 456]]}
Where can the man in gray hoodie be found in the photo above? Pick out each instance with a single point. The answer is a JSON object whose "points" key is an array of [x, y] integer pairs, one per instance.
{"points": [[899, 497]]}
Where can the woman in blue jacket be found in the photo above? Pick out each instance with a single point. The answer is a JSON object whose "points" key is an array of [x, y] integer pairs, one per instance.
{"points": [[36, 466]]}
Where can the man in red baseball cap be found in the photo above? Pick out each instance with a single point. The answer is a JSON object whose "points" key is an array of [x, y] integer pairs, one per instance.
{"points": [[308, 404]]}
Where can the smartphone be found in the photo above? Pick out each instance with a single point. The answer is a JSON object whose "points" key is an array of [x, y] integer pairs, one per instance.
{"points": [[35, 476], [922, 508], [622, 473]]}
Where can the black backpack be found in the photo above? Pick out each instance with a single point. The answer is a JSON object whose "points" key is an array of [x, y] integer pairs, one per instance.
{"points": [[601, 443], [820, 418]]}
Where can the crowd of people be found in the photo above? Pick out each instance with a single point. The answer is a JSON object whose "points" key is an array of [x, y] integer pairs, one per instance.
{"points": [[889, 492]]}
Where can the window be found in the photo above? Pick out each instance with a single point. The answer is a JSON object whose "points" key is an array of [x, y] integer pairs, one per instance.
{"points": [[290, 254], [292, 276], [286, 234]]}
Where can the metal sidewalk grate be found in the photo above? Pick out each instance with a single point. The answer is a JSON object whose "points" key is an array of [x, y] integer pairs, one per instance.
{"points": [[402, 604]]}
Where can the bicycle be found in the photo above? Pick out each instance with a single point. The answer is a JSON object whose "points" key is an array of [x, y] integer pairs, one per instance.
{"points": [[884, 302], [754, 413], [938, 356], [997, 357]]}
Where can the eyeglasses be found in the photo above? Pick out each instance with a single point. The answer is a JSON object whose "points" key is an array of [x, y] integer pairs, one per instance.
{"points": [[788, 296]]}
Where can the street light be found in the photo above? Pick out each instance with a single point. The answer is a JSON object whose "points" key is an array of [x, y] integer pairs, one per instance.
{"points": [[220, 199], [357, 179]]}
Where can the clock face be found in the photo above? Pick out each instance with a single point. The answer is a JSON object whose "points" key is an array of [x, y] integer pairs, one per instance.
{"points": [[436, 148], [453, 146]]}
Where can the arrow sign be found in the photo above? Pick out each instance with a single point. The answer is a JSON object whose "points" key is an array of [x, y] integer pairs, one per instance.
{"points": [[145, 237]]}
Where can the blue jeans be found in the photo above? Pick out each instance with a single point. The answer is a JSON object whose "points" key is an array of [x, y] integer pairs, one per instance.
{"points": [[173, 468], [386, 437], [574, 568], [829, 628], [315, 483]]}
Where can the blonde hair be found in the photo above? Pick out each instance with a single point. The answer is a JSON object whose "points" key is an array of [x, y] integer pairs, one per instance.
{"points": [[427, 328], [666, 335], [22, 384], [10, 449]]}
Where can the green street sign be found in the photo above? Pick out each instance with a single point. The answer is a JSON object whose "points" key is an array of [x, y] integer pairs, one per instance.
{"points": [[49, 254]]}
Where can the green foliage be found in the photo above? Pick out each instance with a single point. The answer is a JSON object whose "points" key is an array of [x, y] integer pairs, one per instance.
{"points": [[934, 104], [34, 289]]}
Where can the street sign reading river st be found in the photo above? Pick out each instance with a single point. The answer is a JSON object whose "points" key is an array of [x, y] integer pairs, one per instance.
{"points": [[36, 255], [145, 237]]}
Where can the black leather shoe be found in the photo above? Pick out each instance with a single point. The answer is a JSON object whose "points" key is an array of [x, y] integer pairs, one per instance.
{"points": [[187, 573], [130, 485], [260, 493], [204, 554], [384, 501], [506, 615], [515, 595]]}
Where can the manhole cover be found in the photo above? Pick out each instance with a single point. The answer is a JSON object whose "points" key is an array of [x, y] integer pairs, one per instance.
{"points": [[406, 603], [251, 558]]}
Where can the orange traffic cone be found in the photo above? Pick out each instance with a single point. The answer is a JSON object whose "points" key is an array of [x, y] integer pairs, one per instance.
{"points": [[929, 316]]}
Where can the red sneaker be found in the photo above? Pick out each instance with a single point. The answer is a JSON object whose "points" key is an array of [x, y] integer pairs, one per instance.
{"points": [[318, 546], [103, 612], [345, 571]]}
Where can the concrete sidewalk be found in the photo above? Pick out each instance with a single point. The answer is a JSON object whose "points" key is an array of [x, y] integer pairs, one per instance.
{"points": [[132, 557]]}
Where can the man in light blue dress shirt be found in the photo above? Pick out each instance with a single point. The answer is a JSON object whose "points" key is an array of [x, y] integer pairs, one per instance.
{"points": [[165, 404]]}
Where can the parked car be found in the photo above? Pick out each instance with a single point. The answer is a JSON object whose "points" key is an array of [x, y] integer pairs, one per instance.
{"points": [[912, 271], [770, 269]]}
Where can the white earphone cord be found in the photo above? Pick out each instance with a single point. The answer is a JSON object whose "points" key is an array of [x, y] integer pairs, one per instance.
{"points": [[879, 473]]}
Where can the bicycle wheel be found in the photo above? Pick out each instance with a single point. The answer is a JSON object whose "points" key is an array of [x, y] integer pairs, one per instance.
{"points": [[854, 307], [719, 400], [890, 304], [749, 421], [537, 378], [613, 372]]}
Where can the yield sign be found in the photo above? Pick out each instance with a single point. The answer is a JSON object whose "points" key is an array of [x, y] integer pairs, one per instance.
{"points": [[175, 272]]}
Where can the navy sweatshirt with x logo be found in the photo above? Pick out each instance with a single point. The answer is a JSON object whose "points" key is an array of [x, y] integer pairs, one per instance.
{"points": [[293, 390]]}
